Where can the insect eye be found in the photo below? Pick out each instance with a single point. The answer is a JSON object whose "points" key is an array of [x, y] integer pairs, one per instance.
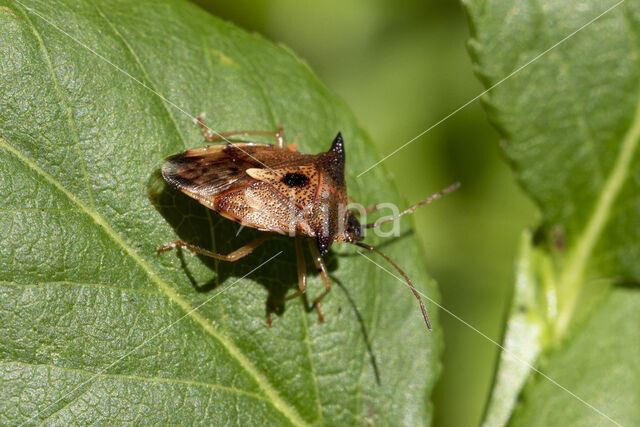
{"points": [[354, 225], [295, 180]]}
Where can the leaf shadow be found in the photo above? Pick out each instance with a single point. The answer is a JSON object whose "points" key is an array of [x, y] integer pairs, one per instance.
{"points": [[363, 329], [198, 225]]}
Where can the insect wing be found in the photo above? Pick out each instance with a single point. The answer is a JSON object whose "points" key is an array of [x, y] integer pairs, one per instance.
{"points": [[203, 173], [243, 182]]}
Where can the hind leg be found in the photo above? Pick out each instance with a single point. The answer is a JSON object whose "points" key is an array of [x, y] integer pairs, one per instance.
{"points": [[231, 257], [211, 135]]}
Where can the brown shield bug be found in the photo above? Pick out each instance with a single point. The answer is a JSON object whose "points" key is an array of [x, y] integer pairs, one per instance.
{"points": [[274, 188]]}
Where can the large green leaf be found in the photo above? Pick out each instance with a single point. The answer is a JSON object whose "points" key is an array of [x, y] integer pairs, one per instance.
{"points": [[82, 210], [571, 122]]}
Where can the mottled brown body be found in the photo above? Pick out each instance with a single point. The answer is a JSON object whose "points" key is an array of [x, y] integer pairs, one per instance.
{"points": [[270, 188]]}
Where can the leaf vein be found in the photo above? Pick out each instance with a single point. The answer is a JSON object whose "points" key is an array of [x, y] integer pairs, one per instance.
{"points": [[580, 116], [307, 340], [267, 103], [65, 106], [258, 84], [108, 286], [144, 72], [374, 314], [141, 378]]}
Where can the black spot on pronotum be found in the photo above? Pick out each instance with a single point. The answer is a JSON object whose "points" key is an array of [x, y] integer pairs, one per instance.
{"points": [[295, 180]]}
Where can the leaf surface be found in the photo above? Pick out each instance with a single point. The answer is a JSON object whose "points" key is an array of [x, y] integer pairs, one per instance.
{"points": [[97, 327], [571, 126]]}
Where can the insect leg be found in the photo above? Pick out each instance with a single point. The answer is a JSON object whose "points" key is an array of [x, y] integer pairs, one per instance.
{"points": [[302, 271], [371, 208], [210, 135], [233, 256], [294, 145], [279, 136], [322, 271]]}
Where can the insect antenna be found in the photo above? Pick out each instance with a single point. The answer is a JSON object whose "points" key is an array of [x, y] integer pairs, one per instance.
{"points": [[429, 199], [406, 278]]}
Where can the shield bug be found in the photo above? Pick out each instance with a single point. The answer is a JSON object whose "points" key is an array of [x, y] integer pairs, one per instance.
{"points": [[276, 189]]}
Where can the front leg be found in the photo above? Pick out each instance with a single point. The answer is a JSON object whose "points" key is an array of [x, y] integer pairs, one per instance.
{"points": [[322, 271], [302, 278], [302, 271]]}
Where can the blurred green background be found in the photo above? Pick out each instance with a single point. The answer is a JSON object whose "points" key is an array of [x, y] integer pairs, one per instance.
{"points": [[402, 67]]}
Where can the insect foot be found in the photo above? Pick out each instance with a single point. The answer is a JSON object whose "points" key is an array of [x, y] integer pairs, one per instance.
{"points": [[170, 246]]}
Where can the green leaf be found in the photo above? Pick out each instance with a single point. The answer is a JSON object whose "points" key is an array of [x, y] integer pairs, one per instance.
{"points": [[86, 303], [606, 353], [571, 124]]}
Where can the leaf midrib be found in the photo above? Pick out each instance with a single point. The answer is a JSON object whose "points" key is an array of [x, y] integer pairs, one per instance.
{"points": [[274, 397], [571, 277]]}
